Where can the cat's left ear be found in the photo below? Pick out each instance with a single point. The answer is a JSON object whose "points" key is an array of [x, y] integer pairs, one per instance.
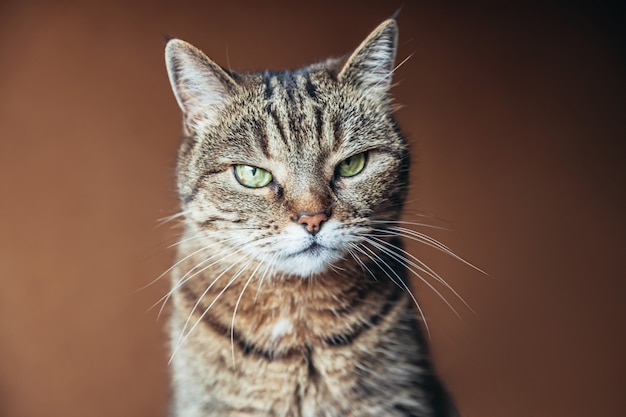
{"points": [[370, 66], [200, 85]]}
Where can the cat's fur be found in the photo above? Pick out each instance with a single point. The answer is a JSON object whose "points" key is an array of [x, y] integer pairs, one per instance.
{"points": [[269, 318]]}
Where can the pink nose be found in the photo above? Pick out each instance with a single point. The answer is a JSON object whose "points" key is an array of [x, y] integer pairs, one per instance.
{"points": [[312, 222]]}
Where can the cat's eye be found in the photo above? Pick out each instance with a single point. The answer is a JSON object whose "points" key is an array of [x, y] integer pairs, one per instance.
{"points": [[252, 177], [352, 166]]}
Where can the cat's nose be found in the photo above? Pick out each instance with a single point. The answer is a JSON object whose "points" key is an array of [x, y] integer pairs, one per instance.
{"points": [[312, 222]]}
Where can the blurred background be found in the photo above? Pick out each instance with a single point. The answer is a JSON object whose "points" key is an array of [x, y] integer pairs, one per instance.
{"points": [[516, 117]]}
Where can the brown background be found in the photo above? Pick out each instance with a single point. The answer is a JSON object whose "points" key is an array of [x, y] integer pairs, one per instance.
{"points": [[516, 116]]}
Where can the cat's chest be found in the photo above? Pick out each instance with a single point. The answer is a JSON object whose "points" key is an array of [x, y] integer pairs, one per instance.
{"points": [[284, 326], [281, 334]]}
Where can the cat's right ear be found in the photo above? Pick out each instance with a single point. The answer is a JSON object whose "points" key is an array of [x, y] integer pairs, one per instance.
{"points": [[200, 85], [370, 66]]}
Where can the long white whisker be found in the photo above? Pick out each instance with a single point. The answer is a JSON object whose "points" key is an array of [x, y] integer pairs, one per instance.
{"points": [[206, 291], [399, 282], [232, 323], [432, 242], [431, 226], [360, 262], [199, 300], [201, 235], [409, 260], [227, 252], [167, 219], [189, 275], [168, 270], [268, 266], [183, 336], [406, 263]]}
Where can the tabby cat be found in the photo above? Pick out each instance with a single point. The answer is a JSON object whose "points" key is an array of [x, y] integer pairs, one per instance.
{"points": [[290, 292]]}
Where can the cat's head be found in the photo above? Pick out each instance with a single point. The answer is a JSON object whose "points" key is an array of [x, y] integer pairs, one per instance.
{"points": [[293, 168]]}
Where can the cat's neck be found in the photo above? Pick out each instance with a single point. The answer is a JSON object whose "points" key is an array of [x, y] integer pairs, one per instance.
{"points": [[266, 308]]}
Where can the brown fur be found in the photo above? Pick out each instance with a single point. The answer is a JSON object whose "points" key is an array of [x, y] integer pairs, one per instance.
{"points": [[258, 327]]}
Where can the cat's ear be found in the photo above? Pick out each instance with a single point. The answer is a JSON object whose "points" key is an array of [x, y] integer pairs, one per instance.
{"points": [[200, 85], [370, 66]]}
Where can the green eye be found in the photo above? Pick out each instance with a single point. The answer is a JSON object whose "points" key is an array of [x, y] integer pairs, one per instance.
{"points": [[352, 166], [252, 177]]}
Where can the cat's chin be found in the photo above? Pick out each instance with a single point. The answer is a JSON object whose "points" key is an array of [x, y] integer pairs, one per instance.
{"points": [[312, 261]]}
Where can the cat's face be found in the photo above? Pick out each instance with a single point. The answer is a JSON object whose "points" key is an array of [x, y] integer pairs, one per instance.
{"points": [[293, 168]]}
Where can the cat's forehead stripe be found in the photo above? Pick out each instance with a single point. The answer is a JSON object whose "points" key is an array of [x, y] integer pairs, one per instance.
{"points": [[275, 119], [260, 134], [292, 82], [309, 87], [294, 106]]}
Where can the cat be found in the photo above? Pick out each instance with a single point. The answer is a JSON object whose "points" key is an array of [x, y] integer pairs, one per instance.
{"points": [[290, 291]]}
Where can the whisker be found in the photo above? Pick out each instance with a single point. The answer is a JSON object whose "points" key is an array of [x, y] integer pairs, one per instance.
{"points": [[172, 217], [191, 274], [188, 275], [431, 226], [168, 270], [400, 282], [199, 300], [430, 241], [409, 260], [184, 336], [269, 266], [360, 262], [201, 235], [406, 263], [232, 323]]}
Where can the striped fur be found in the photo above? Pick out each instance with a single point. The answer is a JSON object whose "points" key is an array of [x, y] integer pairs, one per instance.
{"points": [[270, 319]]}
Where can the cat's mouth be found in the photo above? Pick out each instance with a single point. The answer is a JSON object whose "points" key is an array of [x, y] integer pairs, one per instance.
{"points": [[300, 253], [310, 259], [314, 248]]}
